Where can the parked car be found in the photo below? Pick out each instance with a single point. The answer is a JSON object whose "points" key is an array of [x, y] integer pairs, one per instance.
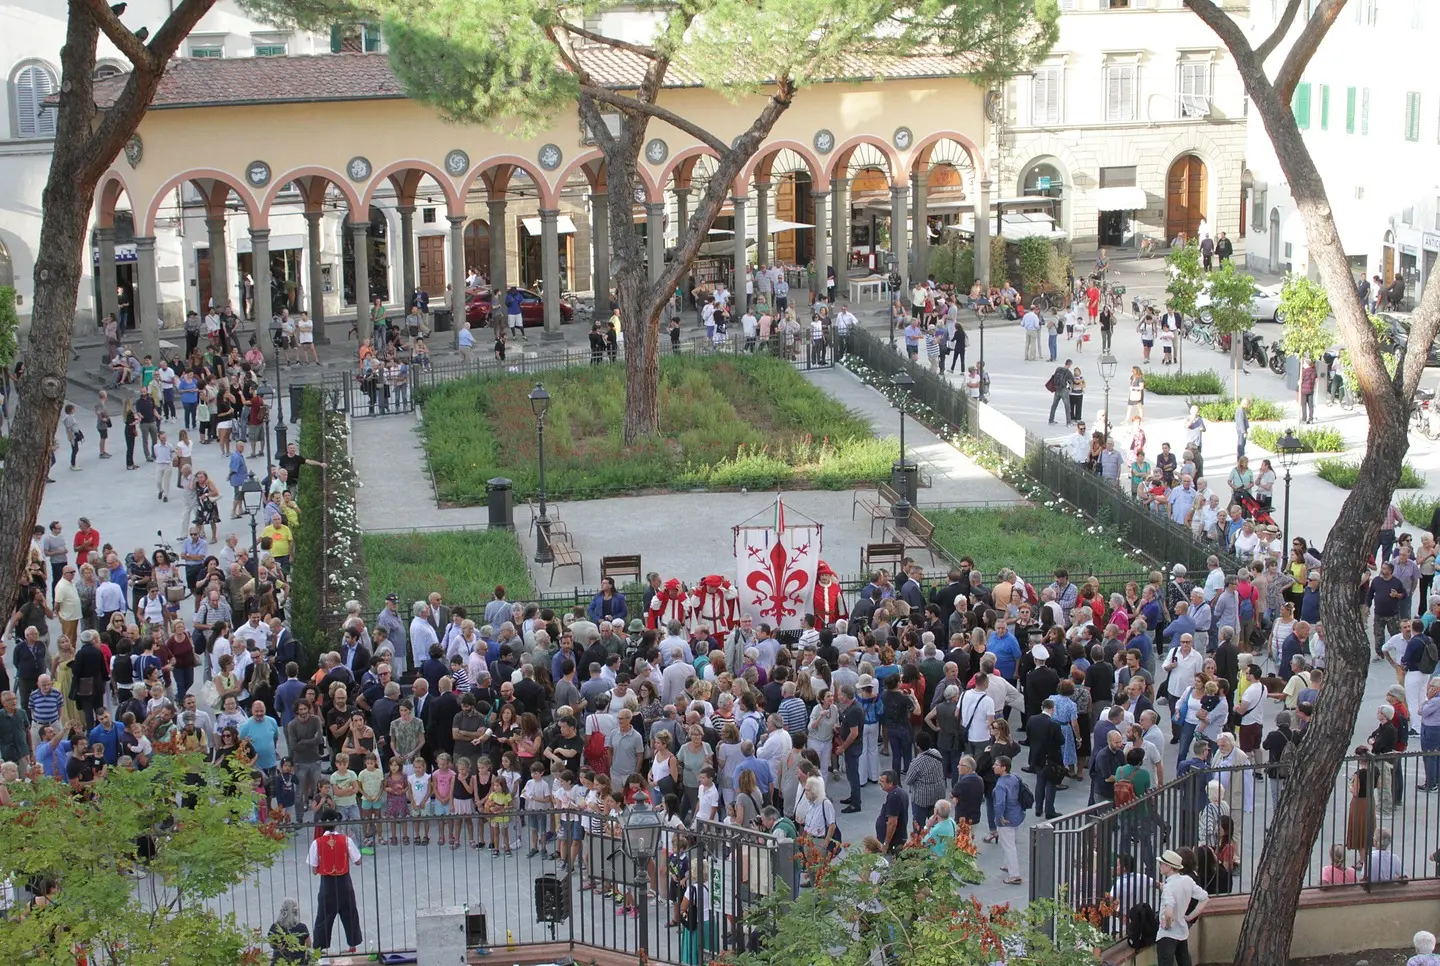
{"points": [[1396, 337], [1264, 304], [532, 308]]}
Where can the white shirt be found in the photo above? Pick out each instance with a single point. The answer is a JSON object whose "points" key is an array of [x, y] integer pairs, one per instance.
{"points": [[1176, 896], [976, 708], [1078, 447], [708, 803], [1251, 705], [314, 858], [422, 635], [844, 321], [260, 634], [1186, 667], [776, 746]]}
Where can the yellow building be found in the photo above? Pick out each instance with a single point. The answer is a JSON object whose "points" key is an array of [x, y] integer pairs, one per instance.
{"points": [[288, 145]]}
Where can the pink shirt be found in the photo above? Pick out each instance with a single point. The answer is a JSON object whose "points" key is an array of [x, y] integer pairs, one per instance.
{"points": [[444, 782], [1333, 875]]}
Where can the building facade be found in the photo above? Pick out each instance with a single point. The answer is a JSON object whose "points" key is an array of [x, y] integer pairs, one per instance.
{"points": [[1135, 123], [1374, 135]]}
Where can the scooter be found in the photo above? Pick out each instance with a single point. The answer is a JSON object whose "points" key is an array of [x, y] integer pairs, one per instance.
{"points": [[1253, 350], [1277, 358]]}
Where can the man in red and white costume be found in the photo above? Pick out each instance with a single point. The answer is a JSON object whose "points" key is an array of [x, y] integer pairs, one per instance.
{"points": [[829, 602], [671, 603], [331, 856], [715, 603]]}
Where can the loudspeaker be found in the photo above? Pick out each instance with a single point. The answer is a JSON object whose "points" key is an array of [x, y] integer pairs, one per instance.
{"points": [[476, 931], [552, 899]]}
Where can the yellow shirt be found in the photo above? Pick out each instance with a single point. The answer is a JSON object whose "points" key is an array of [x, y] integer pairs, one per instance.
{"points": [[280, 538]]}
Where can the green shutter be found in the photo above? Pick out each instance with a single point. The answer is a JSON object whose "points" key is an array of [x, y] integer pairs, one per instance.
{"points": [[1300, 105], [372, 37], [1349, 110], [1324, 107], [1412, 116], [337, 38]]}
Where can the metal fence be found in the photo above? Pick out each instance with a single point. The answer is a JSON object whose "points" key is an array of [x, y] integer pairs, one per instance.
{"points": [[1084, 858], [929, 388], [516, 900]]}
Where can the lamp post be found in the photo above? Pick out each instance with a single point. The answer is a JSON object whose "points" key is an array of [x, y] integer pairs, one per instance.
{"points": [[281, 430], [1108, 364], [252, 496], [640, 827], [900, 473], [1289, 447], [892, 282], [539, 403]]}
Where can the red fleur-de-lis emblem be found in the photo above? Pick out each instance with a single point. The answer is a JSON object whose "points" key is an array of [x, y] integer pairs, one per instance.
{"points": [[779, 585]]}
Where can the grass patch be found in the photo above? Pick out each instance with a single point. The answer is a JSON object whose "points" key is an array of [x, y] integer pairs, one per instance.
{"points": [[727, 422], [1223, 410], [1031, 540], [1345, 473], [1311, 440], [462, 565], [1418, 509], [1206, 383]]}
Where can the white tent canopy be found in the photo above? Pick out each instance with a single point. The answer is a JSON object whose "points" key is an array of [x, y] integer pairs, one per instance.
{"points": [[564, 225], [1016, 225], [1128, 198]]}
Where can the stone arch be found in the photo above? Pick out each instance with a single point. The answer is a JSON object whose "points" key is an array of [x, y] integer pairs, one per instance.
{"points": [[406, 175], [922, 151], [838, 167], [112, 186], [325, 174], [592, 165], [683, 165], [760, 165], [496, 171], [258, 217]]}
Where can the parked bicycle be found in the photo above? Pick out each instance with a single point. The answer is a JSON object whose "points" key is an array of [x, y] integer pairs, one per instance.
{"points": [[1147, 246]]}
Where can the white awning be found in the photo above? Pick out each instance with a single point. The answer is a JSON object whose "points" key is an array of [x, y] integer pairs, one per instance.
{"points": [[563, 225], [1121, 199], [777, 226], [1016, 226]]}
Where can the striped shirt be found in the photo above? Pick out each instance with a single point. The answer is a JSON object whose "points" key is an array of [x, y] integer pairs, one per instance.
{"points": [[793, 712], [45, 706]]}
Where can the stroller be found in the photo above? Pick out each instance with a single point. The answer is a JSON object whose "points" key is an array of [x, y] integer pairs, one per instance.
{"points": [[1252, 509]]}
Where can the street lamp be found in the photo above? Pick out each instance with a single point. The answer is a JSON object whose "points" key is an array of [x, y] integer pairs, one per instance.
{"points": [[900, 477], [1108, 364], [1289, 447], [252, 497], [539, 403], [281, 430], [640, 828], [892, 282]]}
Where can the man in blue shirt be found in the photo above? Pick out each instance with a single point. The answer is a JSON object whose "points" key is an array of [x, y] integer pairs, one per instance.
{"points": [[52, 753], [106, 734], [1182, 498], [1310, 600], [1141, 642], [262, 732], [237, 474], [193, 551], [1006, 649], [764, 777], [1182, 624]]}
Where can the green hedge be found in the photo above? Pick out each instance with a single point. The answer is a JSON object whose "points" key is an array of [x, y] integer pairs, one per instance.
{"points": [[1032, 540], [1223, 410], [462, 565], [1418, 509], [1205, 383], [1325, 440], [307, 572], [1345, 473]]}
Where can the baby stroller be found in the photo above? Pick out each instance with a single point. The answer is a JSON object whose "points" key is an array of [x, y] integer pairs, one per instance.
{"points": [[1252, 509]]}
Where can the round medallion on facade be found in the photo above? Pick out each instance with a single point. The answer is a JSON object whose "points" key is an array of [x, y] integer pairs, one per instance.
{"points": [[656, 151], [358, 169], [824, 141], [134, 150], [550, 157], [903, 138], [257, 173], [457, 162]]}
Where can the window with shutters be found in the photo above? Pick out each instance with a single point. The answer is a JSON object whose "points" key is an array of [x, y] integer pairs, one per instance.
{"points": [[1412, 115], [1120, 92], [1257, 207], [207, 49], [1350, 110], [1324, 107], [1300, 105], [1192, 89], [1407, 217], [355, 38], [1365, 110], [271, 45], [1046, 91], [32, 83]]}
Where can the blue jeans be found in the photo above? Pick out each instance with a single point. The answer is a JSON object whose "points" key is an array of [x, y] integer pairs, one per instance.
{"points": [[1430, 741], [902, 748], [1054, 347], [1187, 735]]}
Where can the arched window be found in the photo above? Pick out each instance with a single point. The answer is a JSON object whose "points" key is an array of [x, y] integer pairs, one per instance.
{"points": [[33, 83]]}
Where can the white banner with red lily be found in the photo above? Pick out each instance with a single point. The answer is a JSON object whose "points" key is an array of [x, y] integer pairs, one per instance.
{"points": [[777, 573]]}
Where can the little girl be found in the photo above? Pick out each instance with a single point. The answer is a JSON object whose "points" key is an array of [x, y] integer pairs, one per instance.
{"points": [[397, 800], [422, 354], [498, 804], [443, 782], [463, 806], [372, 794], [972, 383], [1082, 322], [514, 780], [482, 783], [1211, 699], [419, 800]]}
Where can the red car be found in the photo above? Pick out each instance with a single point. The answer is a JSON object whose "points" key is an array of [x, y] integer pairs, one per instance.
{"points": [[478, 305]]}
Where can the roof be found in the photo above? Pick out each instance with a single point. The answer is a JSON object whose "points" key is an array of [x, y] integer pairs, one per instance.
{"points": [[207, 81]]}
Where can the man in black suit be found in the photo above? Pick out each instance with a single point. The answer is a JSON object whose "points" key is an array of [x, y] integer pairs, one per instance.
{"points": [[439, 616], [1042, 682], [1046, 758], [439, 719], [87, 685], [1133, 700], [944, 597]]}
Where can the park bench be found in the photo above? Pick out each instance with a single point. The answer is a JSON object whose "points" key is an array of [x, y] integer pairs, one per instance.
{"points": [[617, 566], [563, 553], [876, 554], [916, 532], [556, 526], [879, 508]]}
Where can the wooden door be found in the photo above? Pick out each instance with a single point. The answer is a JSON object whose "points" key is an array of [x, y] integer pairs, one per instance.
{"points": [[432, 264], [1387, 271], [202, 280], [1185, 197], [783, 250]]}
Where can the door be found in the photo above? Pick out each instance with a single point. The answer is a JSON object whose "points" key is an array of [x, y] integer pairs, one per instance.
{"points": [[202, 279], [1387, 271], [1275, 240], [1185, 197], [431, 267], [786, 206]]}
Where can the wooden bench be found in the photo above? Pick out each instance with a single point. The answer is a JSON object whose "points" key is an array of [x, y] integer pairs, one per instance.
{"points": [[563, 553], [878, 508], [556, 526], [876, 554], [621, 565], [916, 533]]}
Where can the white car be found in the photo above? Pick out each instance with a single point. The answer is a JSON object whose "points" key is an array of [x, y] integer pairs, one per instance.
{"points": [[1264, 305]]}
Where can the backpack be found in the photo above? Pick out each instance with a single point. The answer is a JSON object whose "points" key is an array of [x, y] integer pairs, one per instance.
{"points": [[596, 754], [1027, 797], [1247, 608], [1287, 755], [1142, 924], [1124, 791], [1429, 658]]}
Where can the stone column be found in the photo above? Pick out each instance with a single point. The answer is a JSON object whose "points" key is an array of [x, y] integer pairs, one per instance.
{"points": [[550, 267], [840, 235], [982, 235], [497, 246], [762, 224], [456, 301], [317, 283], [105, 272], [682, 222], [147, 295], [654, 242], [919, 182], [822, 257], [737, 282], [899, 240], [600, 264], [219, 262], [360, 236], [407, 248], [260, 255]]}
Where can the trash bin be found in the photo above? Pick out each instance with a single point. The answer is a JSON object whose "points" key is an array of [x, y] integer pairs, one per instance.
{"points": [[905, 478], [444, 320], [500, 499], [297, 401]]}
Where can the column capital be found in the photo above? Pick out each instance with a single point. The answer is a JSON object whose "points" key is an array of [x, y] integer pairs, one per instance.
{"points": [[457, 221], [215, 222], [497, 202], [313, 217], [820, 192], [361, 228], [105, 233], [605, 193], [739, 199], [761, 187], [683, 192], [145, 243], [405, 210], [260, 234], [986, 185], [899, 190], [656, 208], [840, 182], [920, 178]]}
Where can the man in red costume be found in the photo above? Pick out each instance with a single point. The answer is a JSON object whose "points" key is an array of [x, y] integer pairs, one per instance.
{"points": [[331, 856], [715, 604], [829, 601], [671, 603]]}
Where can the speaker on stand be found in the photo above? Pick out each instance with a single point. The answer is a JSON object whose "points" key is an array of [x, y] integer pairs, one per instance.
{"points": [[552, 901]]}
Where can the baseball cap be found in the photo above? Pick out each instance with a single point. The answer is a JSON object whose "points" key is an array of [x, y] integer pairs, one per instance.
{"points": [[394, 597]]}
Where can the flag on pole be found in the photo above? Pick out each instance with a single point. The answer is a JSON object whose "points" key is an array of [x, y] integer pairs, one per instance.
{"points": [[779, 516]]}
